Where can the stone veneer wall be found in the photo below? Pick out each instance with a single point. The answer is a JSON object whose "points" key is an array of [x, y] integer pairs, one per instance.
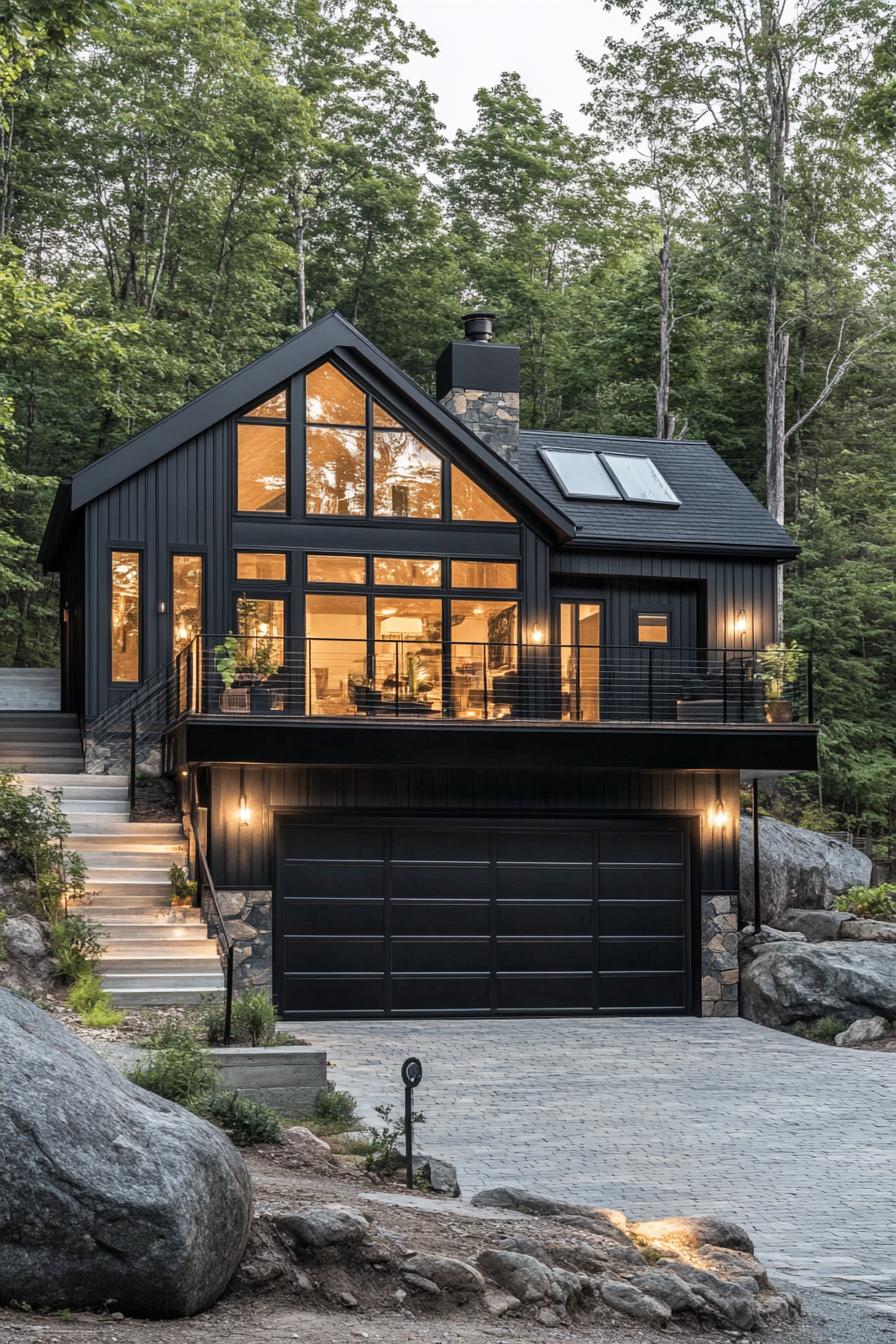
{"points": [[493, 417], [247, 915], [720, 974]]}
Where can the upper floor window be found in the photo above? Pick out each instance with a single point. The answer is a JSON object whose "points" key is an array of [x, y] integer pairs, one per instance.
{"points": [[652, 627], [186, 600], [261, 457], [261, 566], [471, 504]]}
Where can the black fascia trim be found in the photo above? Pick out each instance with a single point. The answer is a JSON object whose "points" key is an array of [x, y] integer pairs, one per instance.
{"points": [[57, 525], [648, 546]]}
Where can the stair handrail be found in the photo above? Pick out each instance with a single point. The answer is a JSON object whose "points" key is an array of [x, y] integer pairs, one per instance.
{"points": [[123, 718], [204, 880]]}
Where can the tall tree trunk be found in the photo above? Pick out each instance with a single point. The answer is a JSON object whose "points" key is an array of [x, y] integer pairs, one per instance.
{"points": [[665, 423]]}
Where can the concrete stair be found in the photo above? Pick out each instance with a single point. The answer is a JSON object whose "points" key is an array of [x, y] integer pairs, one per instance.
{"points": [[37, 741], [154, 954], [29, 688]]}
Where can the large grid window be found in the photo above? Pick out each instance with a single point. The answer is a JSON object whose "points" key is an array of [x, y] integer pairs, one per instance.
{"points": [[261, 457]]}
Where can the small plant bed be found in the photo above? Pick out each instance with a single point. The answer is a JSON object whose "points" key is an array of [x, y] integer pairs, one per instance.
{"points": [[869, 902]]}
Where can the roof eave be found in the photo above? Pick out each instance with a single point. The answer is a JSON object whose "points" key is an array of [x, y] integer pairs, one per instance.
{"points": [[56, 528]]}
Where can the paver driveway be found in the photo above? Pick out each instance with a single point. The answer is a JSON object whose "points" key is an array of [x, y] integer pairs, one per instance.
{"points": [[796, 1141]]}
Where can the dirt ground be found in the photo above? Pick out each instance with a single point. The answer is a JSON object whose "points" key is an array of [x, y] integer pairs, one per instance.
{"points": [[292, 1176]]}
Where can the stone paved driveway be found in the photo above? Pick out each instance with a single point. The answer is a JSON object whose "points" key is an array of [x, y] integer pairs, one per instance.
{"points": [[796, 1141]]}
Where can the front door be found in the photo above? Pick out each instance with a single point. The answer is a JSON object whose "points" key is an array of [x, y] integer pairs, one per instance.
{"points": [[579, 653]]}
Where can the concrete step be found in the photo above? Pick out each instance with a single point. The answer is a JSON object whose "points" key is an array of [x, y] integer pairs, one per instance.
{"points": [[163, 998], [99, 782], [30, 689], [62, 745], [75, 793], [20, 765], [104, 913], [200, 981], [148, 865], [114, 889], [88, 810], [173, 924], [102, 828], [30, 734], [174, 965], [158, 943]]}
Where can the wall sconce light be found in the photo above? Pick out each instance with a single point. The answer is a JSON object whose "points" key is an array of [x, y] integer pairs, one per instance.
{"points": [[740, 627], [185, 774], [162, 608], [536, 635], [243, 812], [717, 813]]}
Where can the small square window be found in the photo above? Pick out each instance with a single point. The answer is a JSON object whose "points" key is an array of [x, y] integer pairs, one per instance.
{"points": [[653, 627], [336, 569], [264, 566]]}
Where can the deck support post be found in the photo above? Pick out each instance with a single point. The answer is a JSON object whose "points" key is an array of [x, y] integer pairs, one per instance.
{"points": [[757, 898]]}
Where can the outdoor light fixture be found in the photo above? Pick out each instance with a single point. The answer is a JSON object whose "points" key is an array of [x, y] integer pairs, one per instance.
{"points": [[243, 812], [717, 813], [537, 635], [163, 607], [182, 631], [740, 623]]}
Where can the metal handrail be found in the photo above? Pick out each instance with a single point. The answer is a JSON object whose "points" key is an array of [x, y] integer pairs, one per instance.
{"points": [[204, 879]]}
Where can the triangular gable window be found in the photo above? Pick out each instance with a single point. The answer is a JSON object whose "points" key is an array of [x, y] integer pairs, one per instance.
{"points": [[272, 409], [471, 504]]}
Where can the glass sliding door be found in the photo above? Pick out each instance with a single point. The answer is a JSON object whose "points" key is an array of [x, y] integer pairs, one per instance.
{"points": [[579, 653], [337, 680], [485, 658]]}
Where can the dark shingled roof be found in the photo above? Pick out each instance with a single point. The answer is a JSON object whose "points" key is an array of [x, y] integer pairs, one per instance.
{"points": [[717, 510]]}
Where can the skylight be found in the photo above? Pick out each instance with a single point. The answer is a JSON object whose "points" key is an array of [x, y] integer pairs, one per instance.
{"points": [[581, 474], [592, 475], [640, 479]]}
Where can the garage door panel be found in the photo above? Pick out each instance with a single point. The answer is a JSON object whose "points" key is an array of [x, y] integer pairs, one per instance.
{"points": [[537, 919], [657, 919], [543, 883], [640, 884], [643, 993], [545, 994], [545, 954], [642, 954], [420, 956], [544, 845], [441, 994], [337, 917], [333, 842], [466, 918], [451, 843], [309, 955], [335, 881], [309, 994], [417, 880], [642, 844]]}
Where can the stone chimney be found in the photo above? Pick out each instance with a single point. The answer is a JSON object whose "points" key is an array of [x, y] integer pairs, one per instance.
{"points": [[479, 382]]}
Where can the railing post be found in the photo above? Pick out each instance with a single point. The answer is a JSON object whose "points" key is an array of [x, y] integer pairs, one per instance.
{"points": [[724, 685], [650, 685], [132, 763], [397, 680], [484, 682], [228, 1001]]}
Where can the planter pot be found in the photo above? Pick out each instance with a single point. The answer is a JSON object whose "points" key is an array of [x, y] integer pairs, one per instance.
{"points": [[265, 699], [778, 711], [234, 701], [287, 1077]]}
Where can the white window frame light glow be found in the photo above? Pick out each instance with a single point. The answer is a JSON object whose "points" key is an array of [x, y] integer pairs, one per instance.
{"points": [[614, 474]]}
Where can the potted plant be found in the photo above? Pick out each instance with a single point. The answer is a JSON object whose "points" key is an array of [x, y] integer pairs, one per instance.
{"points": [[363, 694], [183, 890], [260, 666], [227, 666], [779, 666]]}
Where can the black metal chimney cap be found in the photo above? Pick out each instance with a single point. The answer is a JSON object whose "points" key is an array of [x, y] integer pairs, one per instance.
{"points": [[478, 326]]}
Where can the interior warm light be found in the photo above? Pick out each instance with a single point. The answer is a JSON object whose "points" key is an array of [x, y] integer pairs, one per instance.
{"points": [[182, 631], [478, 611], [243, 813], [537, 635], [184, 774]]}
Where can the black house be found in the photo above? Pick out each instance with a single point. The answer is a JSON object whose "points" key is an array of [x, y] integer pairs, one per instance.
{"points": [[460, 714]]}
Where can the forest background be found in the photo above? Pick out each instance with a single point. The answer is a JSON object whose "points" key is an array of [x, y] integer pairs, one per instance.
{"points": [[186, 183]]}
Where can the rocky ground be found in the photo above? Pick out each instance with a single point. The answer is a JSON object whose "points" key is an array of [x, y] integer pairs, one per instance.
{"points": [[338, 1294]]}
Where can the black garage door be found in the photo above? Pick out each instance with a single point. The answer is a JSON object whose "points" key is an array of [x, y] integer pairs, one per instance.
{"points": [[411, 917]]}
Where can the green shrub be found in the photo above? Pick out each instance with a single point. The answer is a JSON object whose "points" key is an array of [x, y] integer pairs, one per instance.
{"points": [[180, 1070], [183, 889], [33, 827], [869, 902], [254, 1018], [91, 1002], [210, 1019], [334, 1111], [380, 1158], [244, 1121], [170, 1035], [76, 946], [823, 1029]]}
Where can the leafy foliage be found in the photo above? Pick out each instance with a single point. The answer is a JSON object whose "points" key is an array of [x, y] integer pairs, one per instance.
{"points": [[76, 946], [33, 827], [380, 1157], [255, 1018], [243, 1120], [178, 1068], [91, 1002], [334, 1111], [869, 902]]}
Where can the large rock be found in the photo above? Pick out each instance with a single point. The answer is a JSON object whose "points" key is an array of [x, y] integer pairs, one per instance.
{"points": [[109, 1193], [796, 868], [631, 1301], [785, 983], [869, 931], [694, 1232], [817, 926], [324, 1225], [28, 963], [867, 1029]]}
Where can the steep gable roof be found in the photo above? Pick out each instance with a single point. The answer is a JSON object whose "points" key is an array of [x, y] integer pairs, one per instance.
{"points": [[716, 512], [331, 334]]}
